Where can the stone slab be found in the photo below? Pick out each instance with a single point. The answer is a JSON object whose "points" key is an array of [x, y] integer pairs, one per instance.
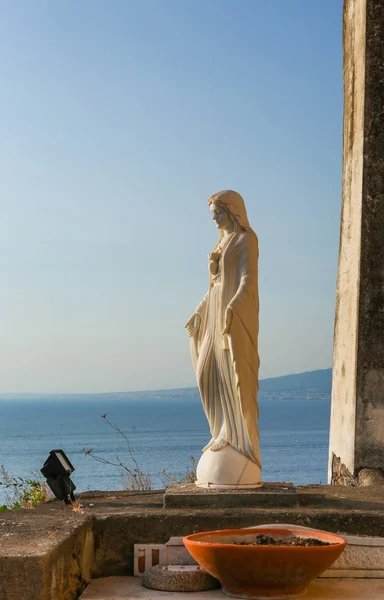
{"points": [[190, 496], [176, 553], [272, 495], [130, 588], [361, 555], [354, 574]]}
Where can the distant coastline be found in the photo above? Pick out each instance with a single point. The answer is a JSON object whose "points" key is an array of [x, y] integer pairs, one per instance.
{"points": [[310, 385]]}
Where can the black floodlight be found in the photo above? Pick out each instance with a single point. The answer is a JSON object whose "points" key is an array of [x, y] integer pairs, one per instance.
{"points": [[57, 469]]}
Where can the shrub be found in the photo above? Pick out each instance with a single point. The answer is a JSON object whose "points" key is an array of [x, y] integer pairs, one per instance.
{"points": [[20, 492]]}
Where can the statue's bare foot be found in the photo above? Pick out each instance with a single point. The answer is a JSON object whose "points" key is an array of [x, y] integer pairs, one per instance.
{"points": [[218, 444], [208, 446]]}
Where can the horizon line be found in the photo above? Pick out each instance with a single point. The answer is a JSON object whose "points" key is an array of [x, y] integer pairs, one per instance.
{"points": [[141, 391]]}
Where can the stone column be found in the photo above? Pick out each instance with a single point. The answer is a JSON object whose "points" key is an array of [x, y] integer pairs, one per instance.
{"points": [[357, 415]]}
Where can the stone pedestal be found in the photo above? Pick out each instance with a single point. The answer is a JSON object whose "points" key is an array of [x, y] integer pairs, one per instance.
{"points": [[357, 417], [266, 495]]}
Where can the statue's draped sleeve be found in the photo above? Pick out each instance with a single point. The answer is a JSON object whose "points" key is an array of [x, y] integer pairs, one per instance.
{"points": [[247, 292], [196, 340], [202, 308]]}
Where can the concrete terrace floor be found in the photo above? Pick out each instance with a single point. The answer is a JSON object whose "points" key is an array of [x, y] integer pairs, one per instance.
{"points": [[130, 588]]}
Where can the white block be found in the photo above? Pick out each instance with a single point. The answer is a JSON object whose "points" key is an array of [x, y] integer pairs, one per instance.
{"points": [[146, 556]]}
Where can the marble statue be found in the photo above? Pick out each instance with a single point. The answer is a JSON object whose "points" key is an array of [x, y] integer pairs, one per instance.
{"points": [[223, 334]]}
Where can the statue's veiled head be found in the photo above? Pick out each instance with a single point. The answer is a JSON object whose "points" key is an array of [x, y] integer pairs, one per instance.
{"points": [[233, 208], [221, 216]]}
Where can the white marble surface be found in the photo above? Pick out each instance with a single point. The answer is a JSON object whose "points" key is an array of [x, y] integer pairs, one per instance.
{"points": [[130, 588], [223, 332], [227, 468]]}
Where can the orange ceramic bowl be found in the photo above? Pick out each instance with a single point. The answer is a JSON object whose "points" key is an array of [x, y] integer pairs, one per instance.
{"points": [[268, 572]]}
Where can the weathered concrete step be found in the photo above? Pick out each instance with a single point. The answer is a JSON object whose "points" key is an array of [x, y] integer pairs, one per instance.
{"points": [[271, 495], [191, 496], [130, 588]]}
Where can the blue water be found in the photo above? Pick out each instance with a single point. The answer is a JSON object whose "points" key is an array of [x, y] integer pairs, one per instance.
{"points": [[163, 434]]}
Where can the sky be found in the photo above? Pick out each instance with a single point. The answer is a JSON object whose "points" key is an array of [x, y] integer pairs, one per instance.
{"points": [[117, 121]]}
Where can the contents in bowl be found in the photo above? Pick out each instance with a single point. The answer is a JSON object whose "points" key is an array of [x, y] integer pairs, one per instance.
{"points": [[268, 540]]}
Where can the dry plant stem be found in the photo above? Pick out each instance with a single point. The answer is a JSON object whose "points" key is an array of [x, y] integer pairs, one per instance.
{"points": [[136, 478], [126, 440], [188, 477]]}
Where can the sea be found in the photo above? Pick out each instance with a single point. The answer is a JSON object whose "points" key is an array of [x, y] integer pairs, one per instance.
{"points": [[163, 433]]}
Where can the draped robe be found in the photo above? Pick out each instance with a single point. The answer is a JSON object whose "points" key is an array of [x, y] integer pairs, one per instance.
{"points": [[227, 369]]}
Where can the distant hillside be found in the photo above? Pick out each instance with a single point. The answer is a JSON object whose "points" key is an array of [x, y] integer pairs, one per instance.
{"points": [[319, 381], [312, 384]]}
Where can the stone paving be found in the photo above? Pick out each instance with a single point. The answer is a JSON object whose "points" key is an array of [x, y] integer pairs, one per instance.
{"points": [[130, 588]]}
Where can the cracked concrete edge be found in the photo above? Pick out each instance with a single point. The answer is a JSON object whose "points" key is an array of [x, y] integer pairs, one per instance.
{"points": [[62, 572]]}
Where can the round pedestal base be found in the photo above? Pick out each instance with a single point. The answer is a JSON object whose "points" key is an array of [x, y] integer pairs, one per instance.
{"points": [[178, 578], [227, 469]]}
